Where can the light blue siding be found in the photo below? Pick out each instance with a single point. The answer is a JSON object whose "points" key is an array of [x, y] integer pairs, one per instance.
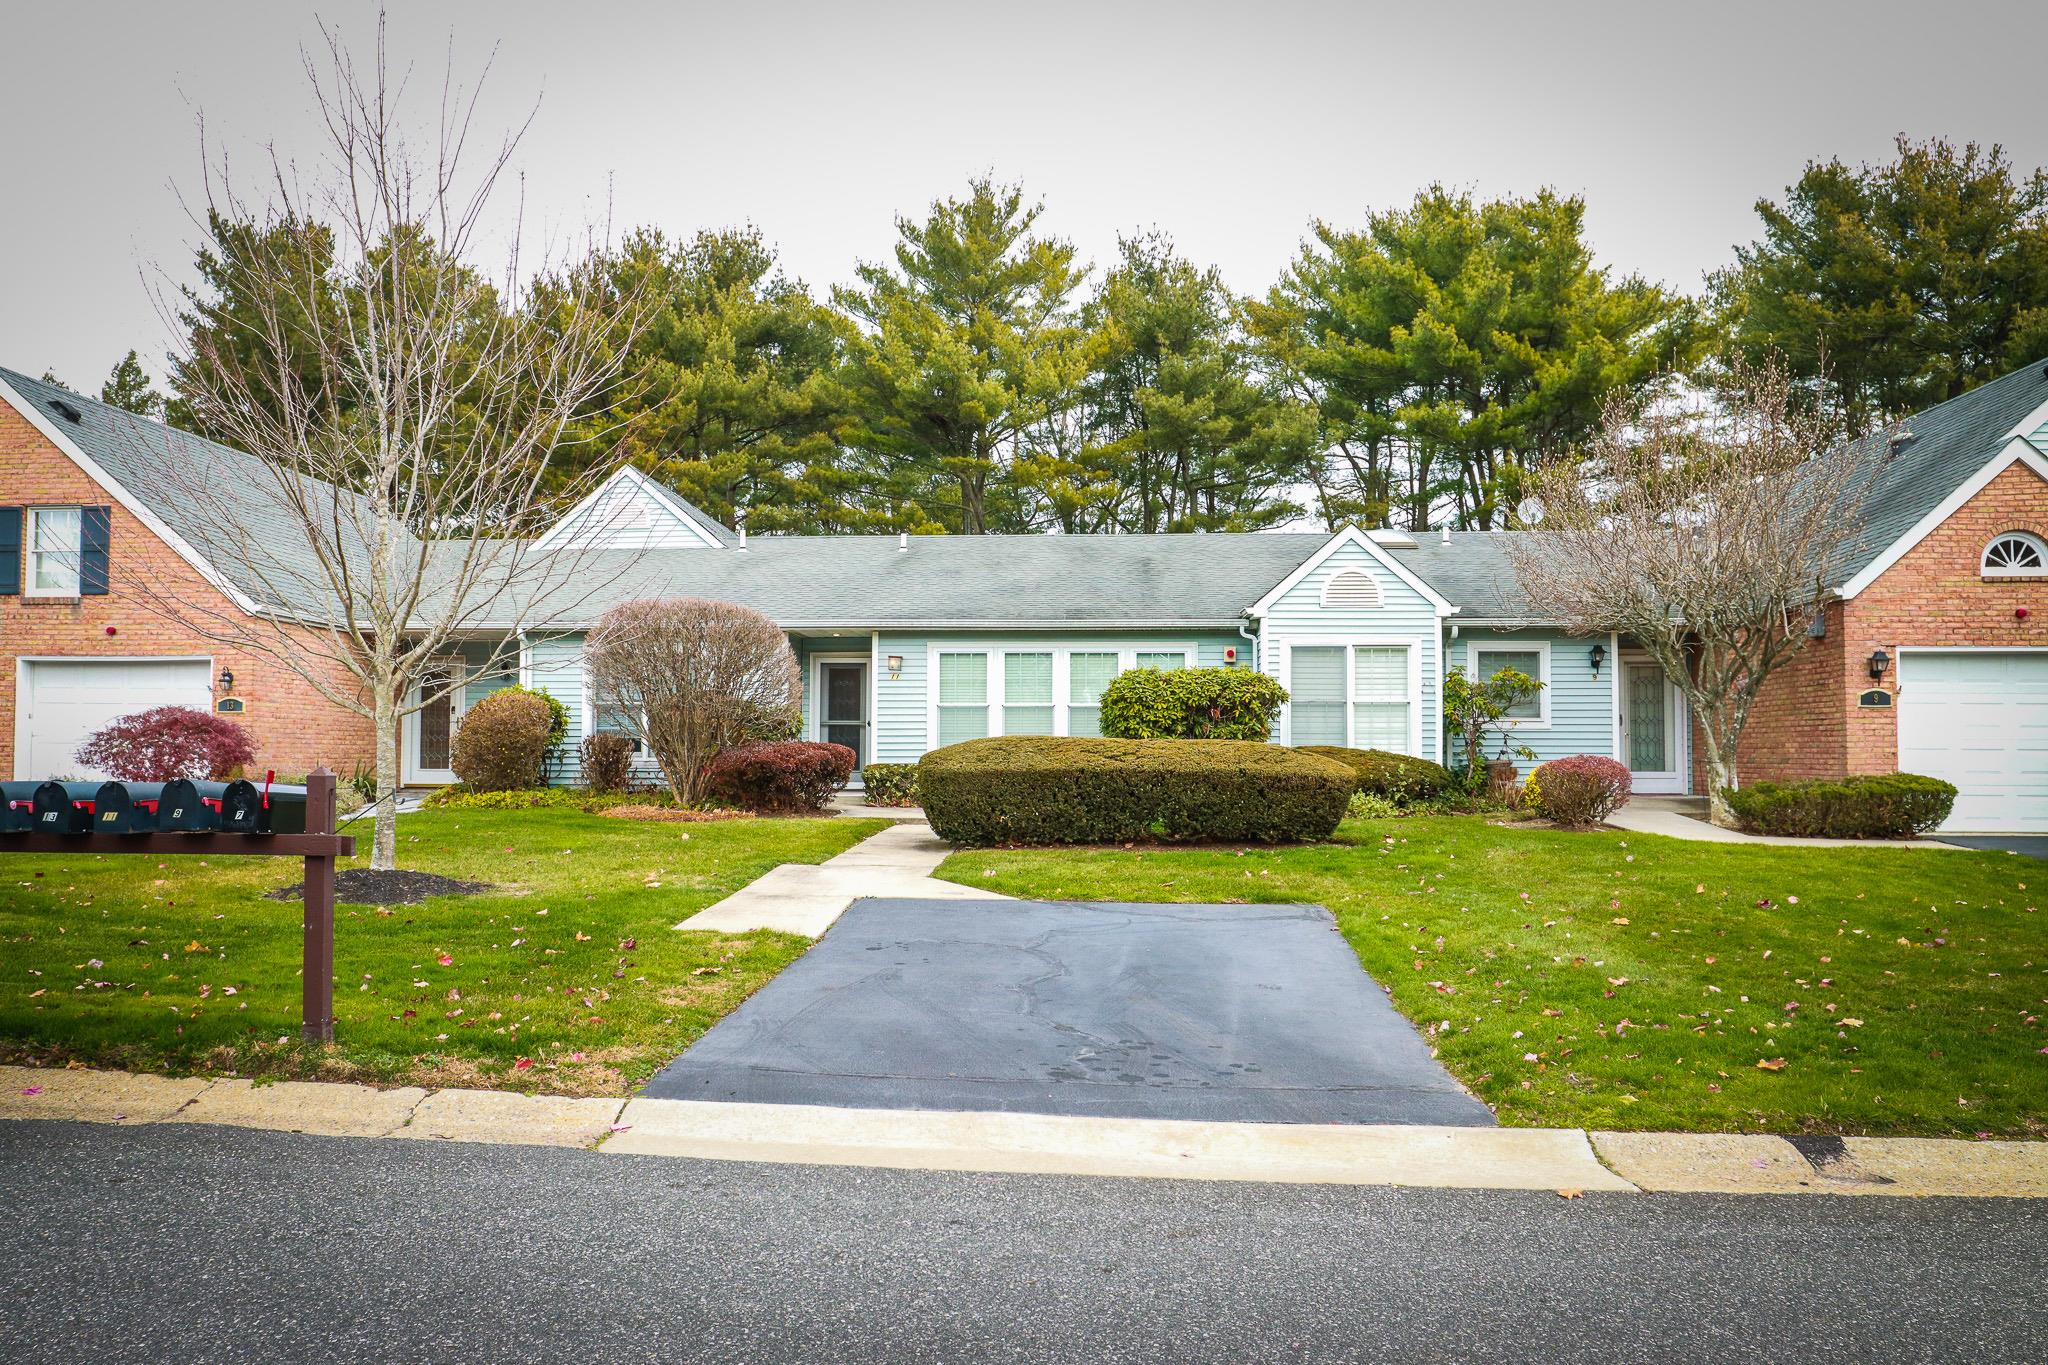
{"points": [[1404, 615], [1580, 706], [900, 720]]}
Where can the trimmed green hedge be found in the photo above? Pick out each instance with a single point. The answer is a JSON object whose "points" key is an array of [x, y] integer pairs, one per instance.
{"points": [[889, 784], [1397, 777], [1191, 703], [1882, 806], [1026, 790]]}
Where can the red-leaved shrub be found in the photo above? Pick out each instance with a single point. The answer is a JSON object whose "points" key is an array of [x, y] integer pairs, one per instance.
{"points": [[167, 742], [780, 779], [1581, 790]]}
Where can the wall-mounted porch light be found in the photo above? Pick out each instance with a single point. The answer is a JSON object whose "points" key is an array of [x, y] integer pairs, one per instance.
{"points": [[1598, 656], [227, 680], [895, 667], [1879, 663]]}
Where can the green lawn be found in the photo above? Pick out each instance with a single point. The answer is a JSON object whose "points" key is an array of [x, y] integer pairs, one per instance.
{"points": [[1627, 981], [567, 979]]}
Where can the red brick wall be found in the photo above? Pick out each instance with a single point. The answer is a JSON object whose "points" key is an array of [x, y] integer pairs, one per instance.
{"points": [[1808, 723], [296, 728]]}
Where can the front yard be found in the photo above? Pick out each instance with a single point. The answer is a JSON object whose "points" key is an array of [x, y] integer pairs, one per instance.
{"points": [[1628, 981], [566, 979]]}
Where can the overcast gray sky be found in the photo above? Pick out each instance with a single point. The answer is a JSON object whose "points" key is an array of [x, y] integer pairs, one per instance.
{"points": [[1229, 125]]}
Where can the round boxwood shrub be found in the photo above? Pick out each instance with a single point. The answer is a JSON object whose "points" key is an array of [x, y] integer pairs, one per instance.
{"points": [[501, 742], [1878, 806], [1399, 778], [789, 778], [890, 784], [1581, 790], [1191, 703], [1028, 790]]}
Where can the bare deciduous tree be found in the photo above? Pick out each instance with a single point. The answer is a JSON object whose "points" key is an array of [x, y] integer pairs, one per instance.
{"points": [[691, 678], [401, 406], [1707, 532]]}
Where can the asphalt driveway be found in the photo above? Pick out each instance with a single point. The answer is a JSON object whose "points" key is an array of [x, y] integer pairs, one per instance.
{"points": [[2027, 845], [1248, 1013]]}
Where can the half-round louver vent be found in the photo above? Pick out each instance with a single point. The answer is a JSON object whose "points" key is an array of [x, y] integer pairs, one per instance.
{"points": [[1351, 589]]}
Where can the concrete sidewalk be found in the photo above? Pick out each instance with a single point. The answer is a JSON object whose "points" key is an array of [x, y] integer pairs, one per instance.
{"points": [[805, 898], [1685, 817], [1564, 1159]]}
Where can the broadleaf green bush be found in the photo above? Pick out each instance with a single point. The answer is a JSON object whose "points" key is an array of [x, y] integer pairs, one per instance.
{"points": [[1191, 703], [1877, 806], [1030, 790], [1399, 778], [890, 784]]}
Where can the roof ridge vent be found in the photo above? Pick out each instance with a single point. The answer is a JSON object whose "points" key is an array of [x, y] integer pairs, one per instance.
{"points": [[67, 411], [1387, 535]]}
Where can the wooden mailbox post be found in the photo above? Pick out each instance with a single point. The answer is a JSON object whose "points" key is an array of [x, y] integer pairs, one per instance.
{"points": [[319, 846]]}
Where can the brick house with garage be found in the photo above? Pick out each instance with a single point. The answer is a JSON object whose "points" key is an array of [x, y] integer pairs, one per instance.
{"points": [[1931, 652], [86, 525]]}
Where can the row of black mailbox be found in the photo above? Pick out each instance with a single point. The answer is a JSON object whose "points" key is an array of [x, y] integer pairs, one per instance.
{"points": [[238, 807]]}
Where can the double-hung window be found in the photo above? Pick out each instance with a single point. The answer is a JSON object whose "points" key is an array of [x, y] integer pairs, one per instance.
{"points": [[1352, 696], [1027, 694], [963, 697], [1088, 673], [56, 542], [1532, 660], [1380, 702]]}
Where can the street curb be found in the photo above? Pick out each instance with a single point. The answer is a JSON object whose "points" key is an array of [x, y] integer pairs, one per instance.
{"points": [[1567, 1160]]}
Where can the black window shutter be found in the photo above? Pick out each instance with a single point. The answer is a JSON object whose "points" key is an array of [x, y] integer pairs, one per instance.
{"points": [[10, 551], [95, 526]]}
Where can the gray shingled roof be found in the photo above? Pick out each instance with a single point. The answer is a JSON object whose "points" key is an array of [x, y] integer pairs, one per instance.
{"points": [[817, 582], [1950, 442]]}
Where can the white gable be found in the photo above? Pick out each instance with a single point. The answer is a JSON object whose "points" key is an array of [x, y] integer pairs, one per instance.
{"points": [[629, 513]]}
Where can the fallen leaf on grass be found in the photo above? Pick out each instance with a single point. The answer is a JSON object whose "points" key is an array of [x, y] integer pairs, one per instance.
{"points": [[1852, 1023], [1771, 1064], [32, 1090]]}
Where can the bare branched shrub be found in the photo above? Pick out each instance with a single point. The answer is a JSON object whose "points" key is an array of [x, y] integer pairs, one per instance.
{"points": [[1709, 533], [692, 678], [402, 407]]}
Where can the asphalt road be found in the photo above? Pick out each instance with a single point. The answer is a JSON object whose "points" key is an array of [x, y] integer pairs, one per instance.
{"points": [[1224, 1013], [217, 1244]]}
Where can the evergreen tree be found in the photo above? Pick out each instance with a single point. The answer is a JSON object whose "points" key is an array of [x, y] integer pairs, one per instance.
{"points": [[1181, 432], [128, 388], [967, 356], [1450, 344], [1889, 288], [732, 394]]}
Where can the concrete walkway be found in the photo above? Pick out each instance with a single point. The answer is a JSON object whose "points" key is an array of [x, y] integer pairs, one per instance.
{"points": [[805, 898], [1563, 1159], [1685, 817]]}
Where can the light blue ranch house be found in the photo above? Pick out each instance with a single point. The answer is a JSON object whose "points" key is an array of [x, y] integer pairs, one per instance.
{"points": [[909, 643]]}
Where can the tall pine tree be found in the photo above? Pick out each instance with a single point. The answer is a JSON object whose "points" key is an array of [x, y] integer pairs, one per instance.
{"points": [[968, 352]]}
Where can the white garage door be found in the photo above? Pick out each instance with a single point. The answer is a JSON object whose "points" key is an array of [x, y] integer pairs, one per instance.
{"points": [[1979, 719], [64, 700]]}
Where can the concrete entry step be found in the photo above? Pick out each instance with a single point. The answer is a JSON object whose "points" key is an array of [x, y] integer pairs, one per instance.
{"points": [[1251, 1013]]}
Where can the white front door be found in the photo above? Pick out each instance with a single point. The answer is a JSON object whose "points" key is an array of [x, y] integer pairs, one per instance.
{"points": [[429, 748], [63, 701], [1979, 718], [1652, 720]]}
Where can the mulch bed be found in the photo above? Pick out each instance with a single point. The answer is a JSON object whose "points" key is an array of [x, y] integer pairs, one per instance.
{"points": [[368, 886]]}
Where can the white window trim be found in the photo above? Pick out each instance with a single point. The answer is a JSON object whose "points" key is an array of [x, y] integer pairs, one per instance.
{"points": [[1062, 677], [1351, 644], [1541, 648], [1984, 566], [29, 553]]}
